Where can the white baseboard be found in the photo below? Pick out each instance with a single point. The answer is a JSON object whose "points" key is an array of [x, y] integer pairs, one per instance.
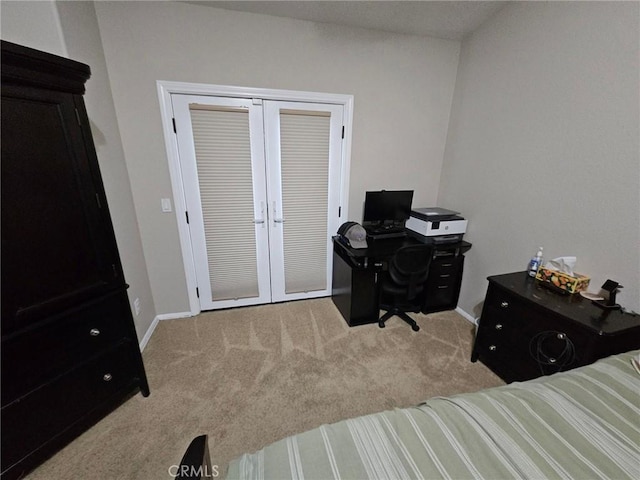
{"points": [[466, 315], [147, 335], [154, 324], [173, 316]]}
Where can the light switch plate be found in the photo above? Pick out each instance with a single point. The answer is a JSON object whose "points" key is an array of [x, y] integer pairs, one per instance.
{"points": [[166, 204]]}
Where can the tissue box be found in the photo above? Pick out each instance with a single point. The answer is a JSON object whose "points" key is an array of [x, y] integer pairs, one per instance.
{"points": [[563, 281]]}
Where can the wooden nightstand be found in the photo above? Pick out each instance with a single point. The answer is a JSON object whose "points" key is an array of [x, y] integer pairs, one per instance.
{"points": [[527, 330]]}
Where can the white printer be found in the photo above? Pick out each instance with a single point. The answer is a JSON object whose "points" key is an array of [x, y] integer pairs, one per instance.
{"points": [[436, 225]]}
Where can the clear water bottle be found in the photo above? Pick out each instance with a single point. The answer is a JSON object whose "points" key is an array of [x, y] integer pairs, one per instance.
{"points": [[535, 263]]}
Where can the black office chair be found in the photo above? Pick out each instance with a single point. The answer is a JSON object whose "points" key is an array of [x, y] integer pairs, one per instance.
{"points": [[402, 285]]}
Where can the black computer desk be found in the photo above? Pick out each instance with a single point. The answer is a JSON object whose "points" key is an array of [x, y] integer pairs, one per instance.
{"points": [[355, 277]]}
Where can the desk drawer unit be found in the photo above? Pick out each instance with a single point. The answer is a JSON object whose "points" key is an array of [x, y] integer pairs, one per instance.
{"points": [[443, 285]]}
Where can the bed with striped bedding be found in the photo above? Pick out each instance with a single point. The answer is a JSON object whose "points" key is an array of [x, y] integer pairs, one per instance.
{"points": [[584, 423]]}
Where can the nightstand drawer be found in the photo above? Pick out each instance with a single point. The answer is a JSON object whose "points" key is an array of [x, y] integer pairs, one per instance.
{"points": [[79, 335], [495, 326]]}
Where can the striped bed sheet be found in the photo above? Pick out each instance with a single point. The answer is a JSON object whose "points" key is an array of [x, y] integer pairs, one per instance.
{"points": [[580, 424]]}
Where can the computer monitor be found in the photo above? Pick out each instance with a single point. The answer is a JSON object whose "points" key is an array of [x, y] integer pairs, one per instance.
{"points": [[387, 207]]}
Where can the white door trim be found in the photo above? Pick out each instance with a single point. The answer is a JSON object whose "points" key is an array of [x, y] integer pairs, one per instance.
{"points": [[166, 88]]}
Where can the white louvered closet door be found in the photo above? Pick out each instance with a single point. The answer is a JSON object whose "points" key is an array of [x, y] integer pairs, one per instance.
{"points": [[221, 149], [303, 155]]}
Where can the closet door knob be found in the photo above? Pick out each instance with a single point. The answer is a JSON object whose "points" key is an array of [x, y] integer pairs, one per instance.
{"points": [[260, 221], [504, 304], [94, 332], [492, 348], [276, 220], [107, 377], [498, 326]]}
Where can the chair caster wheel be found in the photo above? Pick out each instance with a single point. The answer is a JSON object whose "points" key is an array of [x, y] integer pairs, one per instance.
{"points": [[381, 324], [415, 328]]}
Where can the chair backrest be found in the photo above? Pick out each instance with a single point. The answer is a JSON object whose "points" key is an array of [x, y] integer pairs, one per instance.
{"points": [[410, 267]]}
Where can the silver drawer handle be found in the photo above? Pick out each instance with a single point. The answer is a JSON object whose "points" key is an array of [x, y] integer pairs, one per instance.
{"points": [[446, 264], [445, 276], [94, 332], [107, 377], [498, 326], [504, 304], [443, 286], [492, 348]]}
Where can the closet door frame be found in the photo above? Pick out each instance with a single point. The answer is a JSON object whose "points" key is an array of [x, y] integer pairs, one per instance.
{"points": [[167, 88]]}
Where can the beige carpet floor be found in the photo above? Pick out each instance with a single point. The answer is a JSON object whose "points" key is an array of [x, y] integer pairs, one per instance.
{"points": [[250, 376]]}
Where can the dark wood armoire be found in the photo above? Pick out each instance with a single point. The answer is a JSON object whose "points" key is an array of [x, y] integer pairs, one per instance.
{"points": [[69, 348]]}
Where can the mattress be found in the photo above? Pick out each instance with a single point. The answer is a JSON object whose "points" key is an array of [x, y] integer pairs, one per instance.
{"points": [[584, 423]]}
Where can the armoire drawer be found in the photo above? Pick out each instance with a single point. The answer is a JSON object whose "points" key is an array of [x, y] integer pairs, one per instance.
{"points": [[31, 421], [72, 339]]}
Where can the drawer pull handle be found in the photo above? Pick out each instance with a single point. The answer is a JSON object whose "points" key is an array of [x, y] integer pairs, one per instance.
{"points": [[443, 286], [107, 377], [498, 326], [445, 276], [492, 348], [446, 264], [94, 332], [504, 304]]}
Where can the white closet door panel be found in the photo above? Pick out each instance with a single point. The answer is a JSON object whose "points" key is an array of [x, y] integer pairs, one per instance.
{"points": [[222, 162], [304, 154], [303, 144], [223, 158]]}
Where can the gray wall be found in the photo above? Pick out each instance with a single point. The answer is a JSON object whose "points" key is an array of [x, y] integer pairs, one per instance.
{"points": [[33, 24], [403, 87], [543, 144], [71, 30]]}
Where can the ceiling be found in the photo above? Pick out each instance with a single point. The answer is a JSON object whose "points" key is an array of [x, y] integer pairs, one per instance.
{"points": [[449, 19]]}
